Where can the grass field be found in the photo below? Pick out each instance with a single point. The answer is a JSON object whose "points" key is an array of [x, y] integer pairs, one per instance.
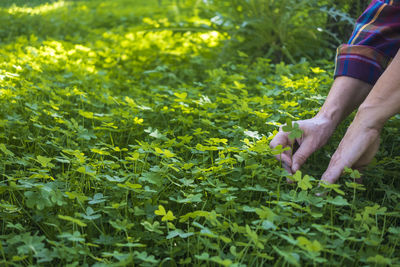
{"points": [[125, 140]]}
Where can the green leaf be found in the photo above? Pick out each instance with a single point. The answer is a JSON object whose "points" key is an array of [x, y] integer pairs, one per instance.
{"points": [[306, 244], [73, 220], [337, 201], [161, 211], [379, 259], [75, 237], [295, 133], [5, 150], [304, 183], [288, 127], [179, 233], [44, 161], [279, 150], [79, 196], [97, 198], [181, 96], [203, 256], [291, 257], [297, 176], [86, 170], [193, 215], [168, 217]]}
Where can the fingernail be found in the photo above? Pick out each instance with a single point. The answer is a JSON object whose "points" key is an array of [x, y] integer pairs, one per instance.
{"points": [[295, 167]]}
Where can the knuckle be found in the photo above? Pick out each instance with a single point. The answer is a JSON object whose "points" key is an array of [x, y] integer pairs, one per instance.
{"points": [[272, 143], [277, 140], [300, 157]]}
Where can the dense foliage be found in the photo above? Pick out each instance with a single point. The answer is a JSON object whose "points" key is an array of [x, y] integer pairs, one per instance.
{"points": [[125, 140]]}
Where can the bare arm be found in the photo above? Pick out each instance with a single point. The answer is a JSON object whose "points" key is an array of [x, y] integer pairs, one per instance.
{"points": [[384, 100], [361, 141], [346, 95]]}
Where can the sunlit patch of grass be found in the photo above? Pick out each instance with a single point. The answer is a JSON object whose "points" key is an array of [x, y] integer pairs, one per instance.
{"points": [[41, 9]]}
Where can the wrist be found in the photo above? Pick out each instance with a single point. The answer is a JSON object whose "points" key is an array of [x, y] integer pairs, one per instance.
{"points": [[370, 117], [329, 117], [345, 95], [324, 127]]}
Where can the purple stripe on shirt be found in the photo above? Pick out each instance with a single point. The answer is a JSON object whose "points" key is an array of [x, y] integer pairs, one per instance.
{"points": [[375, 40]]}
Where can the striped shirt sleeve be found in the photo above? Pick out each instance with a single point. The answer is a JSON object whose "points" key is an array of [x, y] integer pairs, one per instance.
{"points": [[373, 43]]}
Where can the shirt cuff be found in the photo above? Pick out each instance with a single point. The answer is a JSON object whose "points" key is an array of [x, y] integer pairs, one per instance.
{"points": [[361, 62]]}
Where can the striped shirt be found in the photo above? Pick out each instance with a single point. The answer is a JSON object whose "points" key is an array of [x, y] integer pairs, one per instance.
{"points": [[373, 43]]}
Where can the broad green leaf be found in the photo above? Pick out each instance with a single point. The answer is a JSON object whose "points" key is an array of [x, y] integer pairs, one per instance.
{"points": [[5, 150], [181, 95], [304, 183], [44, 161], [73, 220], [133, 186], [86, 114], [79, 196], [279, 150], [168, 217], [193, 215], [130, 101], [137, 120], [297, 176], [168, 153], [86, 170], [306, 244], [99, 151], [291, 257], [289, 125], [161, 211], [337, 201], [379, 259]]}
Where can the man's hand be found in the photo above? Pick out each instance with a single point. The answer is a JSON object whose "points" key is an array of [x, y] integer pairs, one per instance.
{"points": [[345, 95], [356, 150], [316, 132]]}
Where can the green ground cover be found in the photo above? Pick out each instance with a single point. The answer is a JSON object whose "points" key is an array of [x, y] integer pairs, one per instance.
{"points": [[124, 140]]}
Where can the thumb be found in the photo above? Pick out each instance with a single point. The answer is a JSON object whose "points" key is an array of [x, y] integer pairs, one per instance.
{"points": [[335, 167], [332, 174], [303, 152]]}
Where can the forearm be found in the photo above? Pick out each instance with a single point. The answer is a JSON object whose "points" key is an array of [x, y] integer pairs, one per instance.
{"points": [[361, 141], [384, 100], [346, 94]]}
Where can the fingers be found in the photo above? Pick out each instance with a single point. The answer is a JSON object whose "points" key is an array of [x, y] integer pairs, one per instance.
{"points": [[282, 138], [332, 174], [303, 152], [287, 166], [344, 156], [355, 150], [368, 155], [366, 159]]}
